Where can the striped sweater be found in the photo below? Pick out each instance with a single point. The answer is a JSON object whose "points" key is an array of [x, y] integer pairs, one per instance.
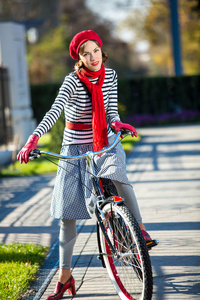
{"points": [[76, 102]]}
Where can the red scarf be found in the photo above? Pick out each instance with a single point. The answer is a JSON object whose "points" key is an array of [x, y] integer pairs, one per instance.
{"points": [[99, 124]]}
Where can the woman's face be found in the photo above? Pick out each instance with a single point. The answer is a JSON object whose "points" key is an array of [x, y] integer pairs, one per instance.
{"points": [[91, 56]]}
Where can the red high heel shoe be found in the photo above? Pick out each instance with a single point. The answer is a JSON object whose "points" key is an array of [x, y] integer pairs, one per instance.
{"points": [[146, 236], [61, 288]]}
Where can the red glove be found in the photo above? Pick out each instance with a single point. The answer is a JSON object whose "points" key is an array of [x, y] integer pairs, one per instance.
{"points": [[31, 144], [117, 126]]}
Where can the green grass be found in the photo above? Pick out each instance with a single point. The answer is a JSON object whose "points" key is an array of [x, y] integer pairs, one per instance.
{"points": [[34, 167], [129, 142], [18, 266], [43, 166]]}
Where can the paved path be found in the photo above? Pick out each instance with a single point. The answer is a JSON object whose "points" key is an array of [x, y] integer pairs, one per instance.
{"points": [[24, 210], [167, 184], [165, 171]]}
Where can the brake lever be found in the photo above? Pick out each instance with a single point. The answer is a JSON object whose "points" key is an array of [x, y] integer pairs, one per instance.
{"points": [[126, 131], [34, 154]]}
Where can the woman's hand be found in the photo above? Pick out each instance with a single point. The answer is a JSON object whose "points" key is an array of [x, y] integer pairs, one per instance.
{"points": [[117, 126], [31, 144]]}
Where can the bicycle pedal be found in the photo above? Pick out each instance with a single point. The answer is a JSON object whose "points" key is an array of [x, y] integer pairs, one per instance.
{"points": [[99, 257], [151, 244]]}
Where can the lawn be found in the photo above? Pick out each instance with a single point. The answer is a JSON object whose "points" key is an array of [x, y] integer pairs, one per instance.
{"points": [[129, 142], [34, 167], [18, 266]]}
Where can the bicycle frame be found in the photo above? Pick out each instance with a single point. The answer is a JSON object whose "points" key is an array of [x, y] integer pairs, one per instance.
{"points": [[89, 156], [100, 197]]}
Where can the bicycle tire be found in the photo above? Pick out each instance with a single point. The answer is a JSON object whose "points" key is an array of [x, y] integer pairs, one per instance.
{"points": [[130, 269]]}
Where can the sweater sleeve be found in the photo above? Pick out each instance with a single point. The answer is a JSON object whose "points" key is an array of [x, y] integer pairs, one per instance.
{"points": [[66, 90], [112, 111]]}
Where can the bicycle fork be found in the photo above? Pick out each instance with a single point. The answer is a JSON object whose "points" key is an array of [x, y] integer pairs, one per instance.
{"points": [[100, 219], [100, 226]]}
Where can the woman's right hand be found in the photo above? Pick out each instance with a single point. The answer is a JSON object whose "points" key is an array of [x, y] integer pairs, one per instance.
{"points": [[31, 144], [117, 126]]}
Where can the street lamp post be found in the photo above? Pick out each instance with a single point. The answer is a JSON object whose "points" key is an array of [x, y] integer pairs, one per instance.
{"points": [[176, 43]]}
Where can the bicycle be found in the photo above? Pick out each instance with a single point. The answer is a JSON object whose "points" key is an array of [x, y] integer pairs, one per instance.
{"points": [[122, 248]]}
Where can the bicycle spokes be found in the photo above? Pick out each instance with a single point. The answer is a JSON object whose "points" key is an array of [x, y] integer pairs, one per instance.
{"points": [[128, 265]]}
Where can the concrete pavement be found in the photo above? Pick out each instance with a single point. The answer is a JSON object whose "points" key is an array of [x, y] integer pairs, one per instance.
{"points": [[24, 213], [164, 169], [167, 184]]}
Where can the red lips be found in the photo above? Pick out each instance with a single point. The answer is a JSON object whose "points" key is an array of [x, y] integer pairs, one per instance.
{"points": [[95, 64]]}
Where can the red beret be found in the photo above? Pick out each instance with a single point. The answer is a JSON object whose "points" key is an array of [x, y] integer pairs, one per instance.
{"points": [[81, 38]]}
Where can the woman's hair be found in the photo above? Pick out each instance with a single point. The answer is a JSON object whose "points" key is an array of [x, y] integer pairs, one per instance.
{"points": [[79, 65]]}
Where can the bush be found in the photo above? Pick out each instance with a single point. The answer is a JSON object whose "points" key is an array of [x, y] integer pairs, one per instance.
{"points": [[156, 96], [142, 102], [57, 134], [139, 96], [185, 116], [43, 96]]}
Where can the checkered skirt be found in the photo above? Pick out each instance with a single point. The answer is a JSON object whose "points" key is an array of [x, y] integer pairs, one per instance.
{"points": [[72, 195]]}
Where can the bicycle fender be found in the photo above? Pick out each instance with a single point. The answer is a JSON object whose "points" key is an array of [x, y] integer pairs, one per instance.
{"points": [[118, 200], [100, 256]]}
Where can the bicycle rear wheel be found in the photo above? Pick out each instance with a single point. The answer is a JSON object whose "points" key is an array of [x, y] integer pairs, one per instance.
{"points": [[130, 268]]}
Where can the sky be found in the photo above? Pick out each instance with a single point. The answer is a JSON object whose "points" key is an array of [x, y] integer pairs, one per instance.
{"points": [[116, 11]]}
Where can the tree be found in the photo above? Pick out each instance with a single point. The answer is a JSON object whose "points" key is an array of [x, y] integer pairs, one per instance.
{"points": [[154, 26], [57, 22], [190, 29], [47, 58], [78, 17]]}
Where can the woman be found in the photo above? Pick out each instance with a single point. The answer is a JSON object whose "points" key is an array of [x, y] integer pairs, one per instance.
{"points": [[89, 98]]}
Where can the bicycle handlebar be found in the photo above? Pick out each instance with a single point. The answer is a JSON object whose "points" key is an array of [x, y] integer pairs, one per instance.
{"points": [[36, 153]]}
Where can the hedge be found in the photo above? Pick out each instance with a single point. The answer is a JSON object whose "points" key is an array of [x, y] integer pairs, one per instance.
{"points": [[137, 96], [42, 97], [142, 102], [156, 96]]}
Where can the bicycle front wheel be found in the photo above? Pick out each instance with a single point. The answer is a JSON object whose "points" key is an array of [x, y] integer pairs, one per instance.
{"points": [[130, 267]]}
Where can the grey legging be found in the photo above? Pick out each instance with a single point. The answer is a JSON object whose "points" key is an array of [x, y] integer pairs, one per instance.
{"points": [[67, 236]]}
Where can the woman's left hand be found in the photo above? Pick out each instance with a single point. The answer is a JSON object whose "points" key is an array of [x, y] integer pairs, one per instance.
{"points": [[117, 126]]}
